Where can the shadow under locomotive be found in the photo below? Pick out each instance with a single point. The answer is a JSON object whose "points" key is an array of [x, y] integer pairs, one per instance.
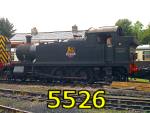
{"points": [[104, 54]]}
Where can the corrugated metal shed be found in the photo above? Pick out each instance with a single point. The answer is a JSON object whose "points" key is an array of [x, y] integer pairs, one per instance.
{"points": [[46, 36]]}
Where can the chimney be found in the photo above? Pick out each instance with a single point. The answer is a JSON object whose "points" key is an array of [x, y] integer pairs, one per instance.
{"points": [[28, 39], [75, 29], [34, 31]]}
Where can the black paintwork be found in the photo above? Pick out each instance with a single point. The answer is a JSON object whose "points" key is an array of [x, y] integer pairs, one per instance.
{"points": [[93, 52]]}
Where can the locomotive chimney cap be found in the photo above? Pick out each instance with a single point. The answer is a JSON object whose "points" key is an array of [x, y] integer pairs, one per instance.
{"points": [[28, 36]]}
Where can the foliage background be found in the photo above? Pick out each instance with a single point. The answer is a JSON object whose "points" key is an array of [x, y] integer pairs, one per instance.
{"points": [[135, 29]]}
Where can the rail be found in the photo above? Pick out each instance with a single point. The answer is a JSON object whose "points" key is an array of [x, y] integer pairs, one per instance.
{"points": [[7, 109]]}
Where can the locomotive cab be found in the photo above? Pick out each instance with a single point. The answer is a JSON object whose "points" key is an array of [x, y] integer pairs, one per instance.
{"points": [[105, 38], [118, 50]]}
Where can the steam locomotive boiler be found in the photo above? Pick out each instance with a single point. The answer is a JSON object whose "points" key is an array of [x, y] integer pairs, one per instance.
{"points": [[102, 55]]}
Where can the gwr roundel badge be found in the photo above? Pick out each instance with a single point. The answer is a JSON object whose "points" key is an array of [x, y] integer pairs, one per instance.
{"points": [[70, 52]]}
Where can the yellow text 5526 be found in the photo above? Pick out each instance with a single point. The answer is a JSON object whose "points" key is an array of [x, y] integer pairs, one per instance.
{"points": [[83, 99]]}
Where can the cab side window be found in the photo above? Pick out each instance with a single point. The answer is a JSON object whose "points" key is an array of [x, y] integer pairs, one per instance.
{"points": [[105, 39], [109, 41], [101, 39]]}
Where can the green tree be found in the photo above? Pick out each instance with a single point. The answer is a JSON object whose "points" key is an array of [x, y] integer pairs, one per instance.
{"points": [[138, 30], [146, 36], [6, 28], [126, 26]]}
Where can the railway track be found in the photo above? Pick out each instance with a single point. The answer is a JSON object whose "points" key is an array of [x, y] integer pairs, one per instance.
{"points": [[7, 109], [113, 101], [56, 83], [128, 103]]}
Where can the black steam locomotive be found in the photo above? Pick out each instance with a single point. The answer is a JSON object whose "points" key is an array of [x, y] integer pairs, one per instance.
{"points": [[102, 55]]}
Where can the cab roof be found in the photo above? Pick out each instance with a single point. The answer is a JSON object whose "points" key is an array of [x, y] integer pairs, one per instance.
{"points": [[104, 29]]}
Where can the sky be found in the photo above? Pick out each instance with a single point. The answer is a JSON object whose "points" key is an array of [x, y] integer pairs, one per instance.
{"points": [[61, 15]]}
